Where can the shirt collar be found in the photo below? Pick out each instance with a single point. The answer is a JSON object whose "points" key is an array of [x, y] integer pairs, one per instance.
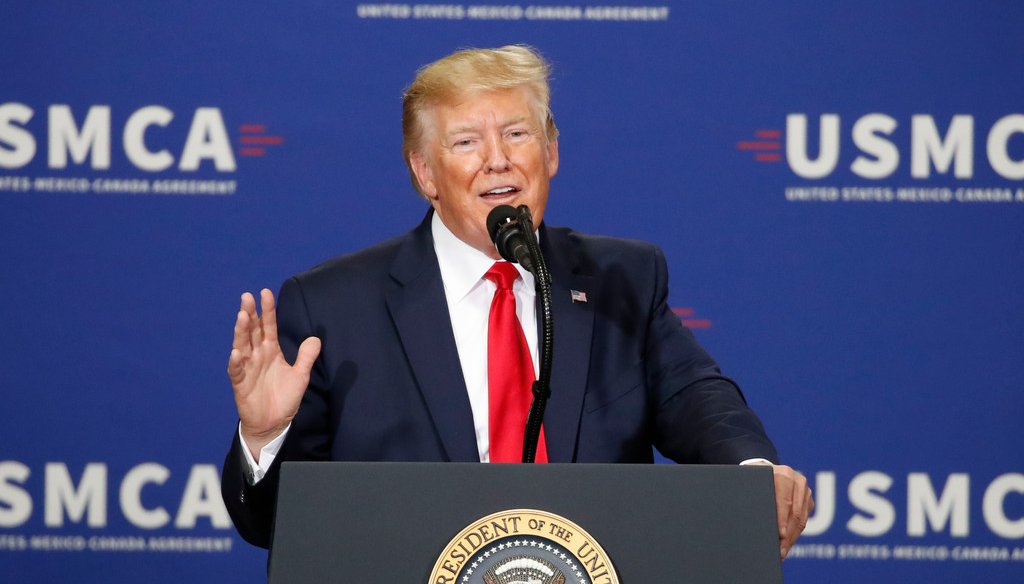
{"points": [[463, 266]]}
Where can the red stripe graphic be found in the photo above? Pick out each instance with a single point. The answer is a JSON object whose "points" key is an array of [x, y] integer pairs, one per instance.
{"points": [[759, 145], [255, 145], [695, 323], [272, 140], [765, 149]]}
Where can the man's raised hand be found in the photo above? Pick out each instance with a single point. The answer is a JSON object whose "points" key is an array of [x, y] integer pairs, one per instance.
{"points": [[267, 389]]}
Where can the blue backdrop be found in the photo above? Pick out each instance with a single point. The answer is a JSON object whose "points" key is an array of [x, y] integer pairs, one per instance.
{"points": [[839, 190]]}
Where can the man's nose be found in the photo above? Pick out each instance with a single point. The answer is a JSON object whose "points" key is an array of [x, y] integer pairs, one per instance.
{"points": [[496, 156]]}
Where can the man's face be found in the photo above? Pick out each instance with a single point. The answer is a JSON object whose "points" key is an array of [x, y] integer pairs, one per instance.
{"points": [[488, 149]]}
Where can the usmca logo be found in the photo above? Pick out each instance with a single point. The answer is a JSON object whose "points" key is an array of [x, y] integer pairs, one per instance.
{"points": [[152, 139], [938, 158]]}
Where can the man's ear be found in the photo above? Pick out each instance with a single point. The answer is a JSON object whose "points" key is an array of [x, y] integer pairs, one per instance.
{"points": [[552, 154], [424, 176]]}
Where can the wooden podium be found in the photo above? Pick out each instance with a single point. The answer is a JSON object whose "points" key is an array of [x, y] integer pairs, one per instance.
{"points": [[392, 522]]}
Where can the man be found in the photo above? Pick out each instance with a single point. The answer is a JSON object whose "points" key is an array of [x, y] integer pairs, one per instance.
{"points": [[391, 344]]}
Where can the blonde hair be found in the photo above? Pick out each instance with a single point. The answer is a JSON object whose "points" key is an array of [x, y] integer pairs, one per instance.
{"points": [[470, 71]]}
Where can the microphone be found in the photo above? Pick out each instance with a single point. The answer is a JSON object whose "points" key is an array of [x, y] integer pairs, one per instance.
{"points": [[508, 237], [511, 230]]}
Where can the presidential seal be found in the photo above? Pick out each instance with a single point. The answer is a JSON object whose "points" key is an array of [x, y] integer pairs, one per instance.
{"points": [[523, 546]]}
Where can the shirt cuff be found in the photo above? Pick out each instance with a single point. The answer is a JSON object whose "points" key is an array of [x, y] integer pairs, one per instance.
{"points": [[258, 470], [761, 461]]}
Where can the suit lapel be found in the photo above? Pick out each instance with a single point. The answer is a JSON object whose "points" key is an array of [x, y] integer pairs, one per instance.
{"points": [[573, 325], [419, 309]]}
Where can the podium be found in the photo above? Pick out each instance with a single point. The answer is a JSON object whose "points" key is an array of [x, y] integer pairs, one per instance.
{"points": [[401, 522]]}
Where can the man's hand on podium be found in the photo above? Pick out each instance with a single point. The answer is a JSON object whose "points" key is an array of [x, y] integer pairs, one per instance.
{"points": [[793, 502]]}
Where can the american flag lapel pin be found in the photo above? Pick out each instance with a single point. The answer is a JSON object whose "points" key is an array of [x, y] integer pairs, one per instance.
{"points": [[578, 296]]}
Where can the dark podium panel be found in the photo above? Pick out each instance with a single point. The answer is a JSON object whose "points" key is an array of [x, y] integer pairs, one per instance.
{"points": [[659, 524]]}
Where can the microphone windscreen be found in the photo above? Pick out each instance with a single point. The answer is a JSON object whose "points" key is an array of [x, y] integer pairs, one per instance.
{"points": [[497, 217]]}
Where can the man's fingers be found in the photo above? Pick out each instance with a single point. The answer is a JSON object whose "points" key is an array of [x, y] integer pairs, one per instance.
{"points": [[801, 510], [799, 496], [309, 350], [269, 318], [793, 530], [255, 332], [248, 304], [783, 505], [236, 368], [808, 508], [241, 341], [797, 522], [793, 503]]}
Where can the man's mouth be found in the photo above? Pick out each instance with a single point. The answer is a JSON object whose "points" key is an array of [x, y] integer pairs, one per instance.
{"points": [[503, 191]]}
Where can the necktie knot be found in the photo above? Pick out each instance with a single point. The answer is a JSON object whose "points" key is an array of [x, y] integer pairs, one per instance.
{"points": [[503, 274]]}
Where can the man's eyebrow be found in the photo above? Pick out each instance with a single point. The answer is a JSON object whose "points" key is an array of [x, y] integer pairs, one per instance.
{"points": [[513, 121], [462, 130], [468, 129]]}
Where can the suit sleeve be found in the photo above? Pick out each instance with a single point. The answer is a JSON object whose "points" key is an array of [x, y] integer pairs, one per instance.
{"points": [[701, 415], [252, 507]]}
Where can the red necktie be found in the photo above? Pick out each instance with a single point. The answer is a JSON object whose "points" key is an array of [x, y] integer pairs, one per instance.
{"points": [[509, 372]]}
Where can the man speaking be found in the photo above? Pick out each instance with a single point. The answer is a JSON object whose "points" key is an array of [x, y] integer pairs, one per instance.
{"points": [[423, 347]]}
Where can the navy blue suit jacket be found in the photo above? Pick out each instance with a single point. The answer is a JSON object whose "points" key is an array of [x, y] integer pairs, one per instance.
{"points": [[388, 385]]}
